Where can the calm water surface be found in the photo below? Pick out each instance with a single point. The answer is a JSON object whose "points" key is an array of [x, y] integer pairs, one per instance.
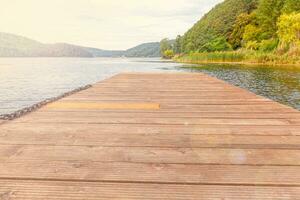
{"points": [[25, 81], [282, 84]]}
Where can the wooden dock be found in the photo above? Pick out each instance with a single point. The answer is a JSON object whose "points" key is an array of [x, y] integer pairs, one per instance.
{"points": [[153, 136]]}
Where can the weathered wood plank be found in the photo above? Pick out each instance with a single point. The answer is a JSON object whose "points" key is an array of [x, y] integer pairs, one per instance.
{"points": [[151, 155], [145, 129], [178, 101], [155, 173], [207, 108], [52, 190], [167, 121], [46, 113], [96, 138], [206, 139]]}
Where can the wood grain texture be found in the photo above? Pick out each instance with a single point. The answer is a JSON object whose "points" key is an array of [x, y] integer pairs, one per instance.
{"points": [[169, 139], [152, 172], [166, 136], [51, 190], [152, 154]]}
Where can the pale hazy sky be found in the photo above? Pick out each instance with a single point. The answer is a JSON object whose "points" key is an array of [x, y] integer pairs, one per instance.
{"points": [[106, 24]]}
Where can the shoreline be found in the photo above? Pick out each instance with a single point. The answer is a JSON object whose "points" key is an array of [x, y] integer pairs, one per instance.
{"points": [[34, 107], [240, 63]]}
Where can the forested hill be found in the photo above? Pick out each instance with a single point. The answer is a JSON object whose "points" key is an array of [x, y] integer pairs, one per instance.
{"points": [[17, 46], [267, 30], [212, 31], [151, 49]]}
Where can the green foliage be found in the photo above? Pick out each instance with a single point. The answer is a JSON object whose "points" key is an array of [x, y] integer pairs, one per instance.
{"points": [[268, 13], [178, 45], [217, 23], [236, 36], [289, 29], [252, 33], [151, 49], [165, 45], [244, 56], [252, 45], [218, 44], [264, 45], [168, 54], [291, 6], [225, 56], [268, 45], [267, 30]]}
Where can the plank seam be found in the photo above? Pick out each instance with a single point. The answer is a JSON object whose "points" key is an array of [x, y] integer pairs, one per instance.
{"points": [[147, 182], [217, 146]]}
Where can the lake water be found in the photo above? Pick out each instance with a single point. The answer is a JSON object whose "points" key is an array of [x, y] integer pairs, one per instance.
{"points": [[281, 84], [26, 81]]}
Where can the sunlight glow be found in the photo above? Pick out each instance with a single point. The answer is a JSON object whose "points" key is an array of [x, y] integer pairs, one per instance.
{"points": [[100, 23]]}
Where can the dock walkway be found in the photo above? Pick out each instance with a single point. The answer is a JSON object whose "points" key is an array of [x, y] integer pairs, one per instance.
{"points": [[153, 136]]}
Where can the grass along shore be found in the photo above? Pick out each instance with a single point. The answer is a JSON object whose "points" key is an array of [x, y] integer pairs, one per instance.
{"points": [[240, 57]]}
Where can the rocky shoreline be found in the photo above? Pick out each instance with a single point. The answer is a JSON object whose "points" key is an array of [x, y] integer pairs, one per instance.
{"points": [[26, 110]]}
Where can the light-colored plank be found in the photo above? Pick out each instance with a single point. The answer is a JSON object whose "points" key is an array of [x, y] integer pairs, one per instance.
{"points": [[182, 101], [69, 118], [12, 128], [209, 108], [102, 106], [53, 190], [154, 173], [99, 138], [152, 154], [45, 113]]}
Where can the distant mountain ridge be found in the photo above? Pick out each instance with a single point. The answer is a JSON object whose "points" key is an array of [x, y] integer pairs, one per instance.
{"points": [[151, 49], [18, 46]]}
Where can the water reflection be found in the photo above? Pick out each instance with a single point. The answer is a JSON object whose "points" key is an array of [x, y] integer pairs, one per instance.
{"points": [[26, 81], [281, 84]]}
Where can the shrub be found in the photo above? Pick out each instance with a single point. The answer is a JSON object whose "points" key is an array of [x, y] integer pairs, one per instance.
{"points": [[168, 54], [252, 45], [268, 45], [218, 44]]}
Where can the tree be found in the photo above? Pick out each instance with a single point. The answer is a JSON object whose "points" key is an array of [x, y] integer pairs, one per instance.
{"points": [[291, 6], [268, 13], [252, 33], [289, 29], [236, 36], [216, 23], [165, 45], [178, 44]]}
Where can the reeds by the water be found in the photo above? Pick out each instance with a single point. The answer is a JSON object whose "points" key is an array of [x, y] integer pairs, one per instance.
{"points": [[239, 57]]}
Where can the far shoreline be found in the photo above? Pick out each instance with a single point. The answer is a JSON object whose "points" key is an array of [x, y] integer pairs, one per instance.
{"points": [[239, 63]]}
